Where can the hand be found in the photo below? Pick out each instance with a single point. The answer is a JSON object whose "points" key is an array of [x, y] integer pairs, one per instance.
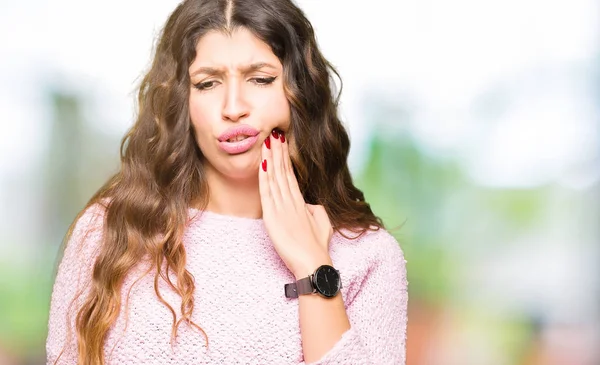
{"points": [[300, 232]]}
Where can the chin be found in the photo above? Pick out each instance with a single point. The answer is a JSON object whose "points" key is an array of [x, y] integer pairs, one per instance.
{"points": [[240, 167], [249, 173]]}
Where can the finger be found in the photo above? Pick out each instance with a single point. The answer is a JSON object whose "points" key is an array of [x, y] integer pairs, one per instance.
{"points": [[287, 164], [291, 177], [269, 197], [279, 176], [263, 182]]}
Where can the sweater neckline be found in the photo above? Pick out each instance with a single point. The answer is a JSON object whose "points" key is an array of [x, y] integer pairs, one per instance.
{"points": [[207, 215]]}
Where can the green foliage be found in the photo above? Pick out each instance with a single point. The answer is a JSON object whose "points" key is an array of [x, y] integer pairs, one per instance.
{"points": [[25, 292], [409, 189], [517, 208], [437, 214]]}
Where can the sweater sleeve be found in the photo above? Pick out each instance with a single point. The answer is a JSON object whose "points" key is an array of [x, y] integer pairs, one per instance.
{"points": [[70, 286], [377, 313]]}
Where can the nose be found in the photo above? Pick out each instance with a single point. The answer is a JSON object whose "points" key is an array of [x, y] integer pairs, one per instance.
{"points": [[235, 107]]}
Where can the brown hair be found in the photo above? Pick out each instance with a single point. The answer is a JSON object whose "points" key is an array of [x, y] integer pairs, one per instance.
{"points": [[161, 175]]}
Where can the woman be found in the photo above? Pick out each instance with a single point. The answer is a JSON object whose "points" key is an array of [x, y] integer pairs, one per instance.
{"points": [[233, 232]]}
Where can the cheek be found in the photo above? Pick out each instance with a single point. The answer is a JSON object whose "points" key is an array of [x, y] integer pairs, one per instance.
{"points": [[200, 117], [277, 109], [198, 114]]}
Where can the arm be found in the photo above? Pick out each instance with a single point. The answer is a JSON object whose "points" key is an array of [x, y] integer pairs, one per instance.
{"points": [[68, 294], [322, 321], [377, 314], [301, 233]]}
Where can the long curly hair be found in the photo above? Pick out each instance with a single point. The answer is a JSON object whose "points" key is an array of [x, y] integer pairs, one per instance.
{"points": [[161, 176]]}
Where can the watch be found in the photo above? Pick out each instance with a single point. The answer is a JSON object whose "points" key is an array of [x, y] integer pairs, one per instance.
{"points": [[325, 281]]}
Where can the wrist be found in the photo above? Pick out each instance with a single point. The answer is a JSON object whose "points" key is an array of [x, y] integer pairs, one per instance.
{"points": [[309, 266]]}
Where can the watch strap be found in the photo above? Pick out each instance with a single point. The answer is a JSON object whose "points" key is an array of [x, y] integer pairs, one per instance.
{"points": [[300, 287]]}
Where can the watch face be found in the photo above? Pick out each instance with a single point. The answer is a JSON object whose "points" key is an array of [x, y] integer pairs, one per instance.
{"points": [[327, 281]]}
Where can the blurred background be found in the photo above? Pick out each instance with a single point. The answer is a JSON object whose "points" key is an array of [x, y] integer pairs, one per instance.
{"points": [[475, 126]]}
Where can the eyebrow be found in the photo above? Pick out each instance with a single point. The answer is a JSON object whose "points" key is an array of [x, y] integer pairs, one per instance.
{"points": [[244, 69]]}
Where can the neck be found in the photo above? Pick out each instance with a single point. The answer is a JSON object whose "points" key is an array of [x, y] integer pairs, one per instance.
{"points": [[234, 197]]}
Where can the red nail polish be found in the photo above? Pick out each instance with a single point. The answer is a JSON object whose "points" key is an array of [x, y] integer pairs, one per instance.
{"points": [[264, 165], [268, 142], [282, 138], [275, 134]]}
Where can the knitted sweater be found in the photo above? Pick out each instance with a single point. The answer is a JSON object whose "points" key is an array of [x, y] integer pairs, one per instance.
{"points": [[239, 299]]}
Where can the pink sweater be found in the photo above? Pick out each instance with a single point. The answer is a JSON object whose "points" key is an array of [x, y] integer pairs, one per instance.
{"points": [[239, 300]]}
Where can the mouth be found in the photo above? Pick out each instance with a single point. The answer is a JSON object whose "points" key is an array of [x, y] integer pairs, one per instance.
{"points": [[238, 144], [238, 133], [237, 138]]}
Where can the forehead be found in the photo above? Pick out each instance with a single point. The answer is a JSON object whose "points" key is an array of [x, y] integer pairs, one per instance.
{"points": [[241, 47]]}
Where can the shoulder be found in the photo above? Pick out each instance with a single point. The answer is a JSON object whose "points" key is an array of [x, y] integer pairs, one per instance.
{"points": [[91, 218], [72, 281], [86, 234], [370, 260], [373, 246], [81, 250]]}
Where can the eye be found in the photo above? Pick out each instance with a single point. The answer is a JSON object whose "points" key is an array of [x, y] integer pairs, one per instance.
{"points": [[206, 85], [263, 81]]}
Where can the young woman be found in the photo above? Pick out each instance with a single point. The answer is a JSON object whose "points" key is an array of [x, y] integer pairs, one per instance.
{"points": [[232, 233]]}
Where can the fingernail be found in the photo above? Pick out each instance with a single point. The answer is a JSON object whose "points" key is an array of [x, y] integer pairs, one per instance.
{"points": [[282, 138], [268, 142], [264, 165], [275, 134]]}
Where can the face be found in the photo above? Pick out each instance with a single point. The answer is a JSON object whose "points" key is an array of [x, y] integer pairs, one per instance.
{"points": [[236, 100]]}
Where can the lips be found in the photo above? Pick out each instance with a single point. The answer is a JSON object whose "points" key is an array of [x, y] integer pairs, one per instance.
{"points": [[238, 139], [233, 133]]}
